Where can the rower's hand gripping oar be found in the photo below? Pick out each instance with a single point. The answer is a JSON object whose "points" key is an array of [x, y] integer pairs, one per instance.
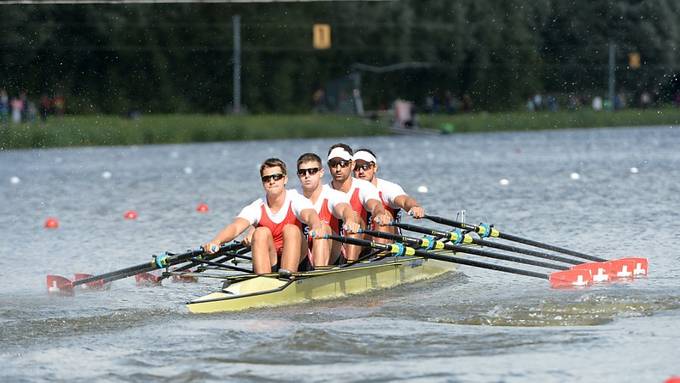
{"points": [[620, 268], [60, 285], [558, 279]]}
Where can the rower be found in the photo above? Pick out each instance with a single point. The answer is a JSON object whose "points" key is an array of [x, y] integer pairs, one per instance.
{"points": [[363, 196], [393, 196], [278, 241], [331, 205]]}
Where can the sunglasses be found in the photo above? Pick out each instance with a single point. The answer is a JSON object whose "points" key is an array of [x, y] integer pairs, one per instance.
{"points": [[363, 167], [275, 177], [310, 171], [334, 163]]}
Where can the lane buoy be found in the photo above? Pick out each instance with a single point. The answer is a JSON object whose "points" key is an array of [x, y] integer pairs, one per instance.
{"points": [[188, 170], [634, 170], [202, 208], [130, 214], [422, 189], [575, 176], [504, 182], [106, 175], [51, 223], [14, 180]]}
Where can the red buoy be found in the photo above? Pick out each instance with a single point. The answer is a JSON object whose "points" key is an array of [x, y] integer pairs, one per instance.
{"points": [[202, 208], [51, 223], [130, 214]]}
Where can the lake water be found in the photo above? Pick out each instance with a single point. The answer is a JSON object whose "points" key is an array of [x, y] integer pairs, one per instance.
{"points": [[474, 325]]}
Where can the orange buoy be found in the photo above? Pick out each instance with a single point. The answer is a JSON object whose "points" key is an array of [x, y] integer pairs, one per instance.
{"points": [[51, 223], [130, 214], [202, 208]]}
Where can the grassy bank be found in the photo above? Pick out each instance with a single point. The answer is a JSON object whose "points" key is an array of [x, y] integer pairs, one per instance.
{"points": [[520, 121], [165, 129]]}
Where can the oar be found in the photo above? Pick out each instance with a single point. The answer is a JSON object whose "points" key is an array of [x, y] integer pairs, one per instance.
{"points": [[217, 258], [428, 243], [566, 278], [621, 268], [60, 285], [458, 237]]}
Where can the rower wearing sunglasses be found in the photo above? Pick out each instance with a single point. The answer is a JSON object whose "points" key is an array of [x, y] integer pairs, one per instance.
{"points": [[393, 196], [363, 196], [331, 205], [277, 242]]}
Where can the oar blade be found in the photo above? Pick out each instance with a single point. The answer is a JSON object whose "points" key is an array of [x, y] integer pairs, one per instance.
{"points": [[641, 266], [58, 285], [183, 278], [94, 285], [600, 271], [570, 278], [147, 279], [623, 268]]}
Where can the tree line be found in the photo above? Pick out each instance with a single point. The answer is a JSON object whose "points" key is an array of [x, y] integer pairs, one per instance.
{"points": [[178, 57]]}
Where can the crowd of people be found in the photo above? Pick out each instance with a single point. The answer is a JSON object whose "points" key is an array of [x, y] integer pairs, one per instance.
{"points": [[21, 109], [286, 229]]}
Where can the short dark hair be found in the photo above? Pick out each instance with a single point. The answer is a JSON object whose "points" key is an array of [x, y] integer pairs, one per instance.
{"points": [[308, 157], [366, 150], [271, 163], [341, 145]]}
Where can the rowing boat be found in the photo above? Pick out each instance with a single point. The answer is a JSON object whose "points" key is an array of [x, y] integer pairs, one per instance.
{"points": [[271, 290]]}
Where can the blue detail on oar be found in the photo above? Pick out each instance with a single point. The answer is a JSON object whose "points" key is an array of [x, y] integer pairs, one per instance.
{"points": [[430, 242], [400, 249], [161, 260], [487, 230], [459, 236]]}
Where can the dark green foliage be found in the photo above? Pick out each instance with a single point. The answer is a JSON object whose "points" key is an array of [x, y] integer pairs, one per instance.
{"points": [[177, 58]]}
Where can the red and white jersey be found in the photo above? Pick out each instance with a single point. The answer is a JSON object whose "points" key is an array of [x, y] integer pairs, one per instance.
{"points": [[259, 214], [359, 194], [325, 206], [389, 191]]}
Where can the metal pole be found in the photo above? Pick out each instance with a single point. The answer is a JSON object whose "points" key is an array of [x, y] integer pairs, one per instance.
{"points": [[612, 74], [236, 106]]}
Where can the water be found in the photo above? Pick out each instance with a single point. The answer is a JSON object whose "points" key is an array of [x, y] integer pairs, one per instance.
{"points": [[472, 326]]}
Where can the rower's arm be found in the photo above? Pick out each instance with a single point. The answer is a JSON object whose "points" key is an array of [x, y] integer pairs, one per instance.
{"points": [[410, 205], [378, 211], [349, 216], [311, 219], [231, 231]]}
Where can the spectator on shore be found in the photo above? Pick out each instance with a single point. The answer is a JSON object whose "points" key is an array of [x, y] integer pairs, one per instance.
{"points": [[452, 103], [45, 106], [538, 101], [24, 110], [4, 106], [17, 106], [597, 103], [677, 99], [619, 101], [467, 103], [551, 103], [645, 100], [59, 105]]}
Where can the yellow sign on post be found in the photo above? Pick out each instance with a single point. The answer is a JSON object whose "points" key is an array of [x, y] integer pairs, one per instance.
{"points": [[322, 36], [634, 60]]}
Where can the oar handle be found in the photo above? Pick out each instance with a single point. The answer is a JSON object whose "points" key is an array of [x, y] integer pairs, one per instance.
{"points": [[395, 248]]}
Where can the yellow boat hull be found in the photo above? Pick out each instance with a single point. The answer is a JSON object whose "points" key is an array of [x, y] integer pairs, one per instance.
{"points": [[269, 291]]}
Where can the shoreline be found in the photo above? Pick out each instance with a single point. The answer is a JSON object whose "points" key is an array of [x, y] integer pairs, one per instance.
{"points": [[92, 130]]}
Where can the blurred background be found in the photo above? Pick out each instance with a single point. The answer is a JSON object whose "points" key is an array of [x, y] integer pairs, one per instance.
{"points": [[296, 57]]}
